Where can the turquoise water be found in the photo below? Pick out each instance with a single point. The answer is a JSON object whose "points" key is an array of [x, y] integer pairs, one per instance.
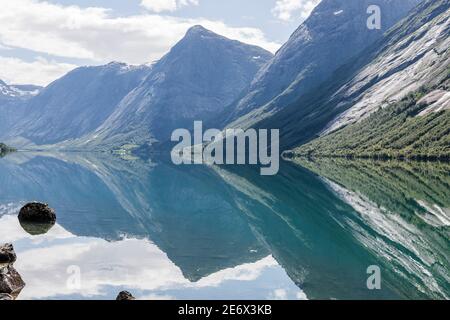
{"points": [[198, 232]]}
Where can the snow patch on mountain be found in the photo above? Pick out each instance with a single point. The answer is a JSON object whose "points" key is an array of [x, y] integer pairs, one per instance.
{"points": [[18, 91]]}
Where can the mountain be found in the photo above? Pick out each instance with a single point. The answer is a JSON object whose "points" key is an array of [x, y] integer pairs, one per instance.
{"points": [[10, 92], [201, 74], [335, 32], [414, 59], [12, 98], [332, 72], [411, 54], [77, 103], [417, 127]]}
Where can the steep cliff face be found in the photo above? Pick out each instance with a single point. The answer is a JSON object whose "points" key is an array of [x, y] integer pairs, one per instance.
{"points": [[411, 54], [417, 127], [332, 72], [414, 54], [335, 32], [396, 106]]}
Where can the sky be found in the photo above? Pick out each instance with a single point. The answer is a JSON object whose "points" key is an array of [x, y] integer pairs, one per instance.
{"points": [[41, 41]]}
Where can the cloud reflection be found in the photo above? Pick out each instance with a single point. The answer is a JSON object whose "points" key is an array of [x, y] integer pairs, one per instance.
{"points": [[137, 265]]}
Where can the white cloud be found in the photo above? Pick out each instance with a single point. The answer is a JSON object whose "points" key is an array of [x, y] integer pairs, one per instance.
{"points": [[286, 10], [279, 294], [93, 33], [167, 5], [40, 71]]}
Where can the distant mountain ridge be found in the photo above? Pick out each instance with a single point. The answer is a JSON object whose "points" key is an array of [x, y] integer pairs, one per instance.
{"points": [[77, 103], [17, 91], [12, 98]]}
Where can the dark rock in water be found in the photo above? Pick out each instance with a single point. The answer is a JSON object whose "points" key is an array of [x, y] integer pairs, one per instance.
{"points": [[7, 254], [36, 229], [10, 281], [37, 213], [125, 295], [5, 296]]}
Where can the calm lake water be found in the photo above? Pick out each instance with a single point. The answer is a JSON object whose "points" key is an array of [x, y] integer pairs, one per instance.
{"points": [[197, 232]]}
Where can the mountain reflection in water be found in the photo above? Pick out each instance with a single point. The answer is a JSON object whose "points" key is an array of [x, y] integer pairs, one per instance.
{"points": [[198, 232]]}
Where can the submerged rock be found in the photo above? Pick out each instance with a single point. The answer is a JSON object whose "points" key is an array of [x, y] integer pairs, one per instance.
{"points": [[36, 229], [125, 295], [7, 254], [37, 213], [10, 281]]}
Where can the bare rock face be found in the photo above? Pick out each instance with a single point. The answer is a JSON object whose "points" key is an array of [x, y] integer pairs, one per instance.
{"points": [[37, 213], [7, 254], [125, 296], [436, 101]]}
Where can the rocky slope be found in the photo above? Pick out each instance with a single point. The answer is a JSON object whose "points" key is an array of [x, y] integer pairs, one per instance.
{"points": [[414, 53], [11, 92], [76, 104], [12, 98], [335, 32], [202, 74], [414, 60], [332, 72], [417, 127]]}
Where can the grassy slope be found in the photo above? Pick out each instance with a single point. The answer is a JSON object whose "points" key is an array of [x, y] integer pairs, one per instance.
{"points": [[394, 132]]}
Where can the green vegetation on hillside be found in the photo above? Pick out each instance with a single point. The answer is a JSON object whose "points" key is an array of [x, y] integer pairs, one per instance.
{"points": [[4, 149], [396, 132], [397, 186], [403, 209]]}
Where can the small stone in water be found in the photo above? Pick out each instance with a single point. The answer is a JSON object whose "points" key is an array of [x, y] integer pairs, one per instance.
{"points": [[125, 295]]}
